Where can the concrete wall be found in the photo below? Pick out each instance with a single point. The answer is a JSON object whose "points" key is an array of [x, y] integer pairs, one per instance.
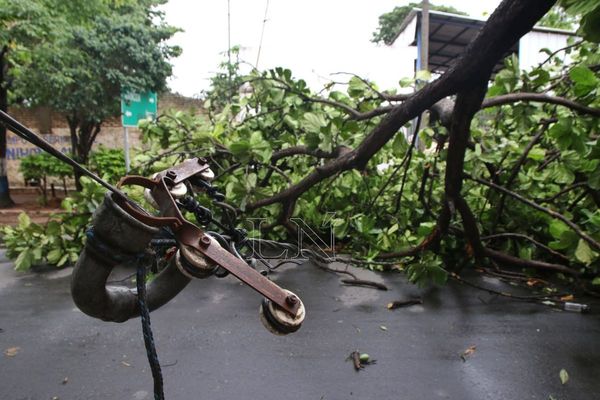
{"points": [[53, 127]]}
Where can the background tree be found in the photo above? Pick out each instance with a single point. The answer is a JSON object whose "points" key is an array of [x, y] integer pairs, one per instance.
{"points": [[225, 83], [105, 48], [389, 23], [559, 18], [24, 24]]}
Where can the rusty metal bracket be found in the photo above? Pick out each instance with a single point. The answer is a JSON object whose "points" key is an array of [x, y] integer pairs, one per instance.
{"points": [[191, 235], [185, 170]]}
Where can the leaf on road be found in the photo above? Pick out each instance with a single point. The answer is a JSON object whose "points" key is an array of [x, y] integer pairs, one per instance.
{"points": [[533, 282], [564, 376], [11, 351], [468, 352], [568, 297]]}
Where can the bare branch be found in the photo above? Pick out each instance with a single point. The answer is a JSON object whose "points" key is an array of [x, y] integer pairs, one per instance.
{"points": [[540, 98], [563, 191], [529, 239], [274, 168], [536, 206]]}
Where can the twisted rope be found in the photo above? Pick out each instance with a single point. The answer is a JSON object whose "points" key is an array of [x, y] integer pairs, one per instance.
{"points": [[147, 331]]}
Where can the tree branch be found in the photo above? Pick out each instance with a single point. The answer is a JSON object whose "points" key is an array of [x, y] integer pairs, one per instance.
{"points": [[563, 191], [536, 206], [530, 239], [540, 98], [519, 262], [304, 150], [517, 167]]}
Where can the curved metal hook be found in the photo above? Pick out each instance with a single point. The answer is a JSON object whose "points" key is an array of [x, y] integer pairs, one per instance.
{"points": [[124, 237]]}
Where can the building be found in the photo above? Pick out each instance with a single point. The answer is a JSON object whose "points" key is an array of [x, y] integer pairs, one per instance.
{"points": [[449, 35]]}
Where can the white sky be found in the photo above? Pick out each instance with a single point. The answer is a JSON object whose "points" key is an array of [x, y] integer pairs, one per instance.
{"points": [[313, 38]]}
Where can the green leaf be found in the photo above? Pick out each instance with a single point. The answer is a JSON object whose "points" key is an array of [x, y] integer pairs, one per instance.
{"points": [[583, 252], [594, 179], [24, 260], [63, 260], [590, 25], [582, 75], [584, 79], [36, 254], [24, 221], [356, 87], [423, 75], [596, 281], [537, 154], [439, 275], [564, 376], [53, 228], [557, 228], [54, 256], [313, 122], [239, 148], [425, 228]]}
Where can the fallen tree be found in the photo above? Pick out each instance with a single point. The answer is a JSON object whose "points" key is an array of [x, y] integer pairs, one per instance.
{"points": [[507, 175]]}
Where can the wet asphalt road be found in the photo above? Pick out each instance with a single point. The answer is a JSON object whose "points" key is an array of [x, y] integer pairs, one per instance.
{"points": [[213, 346]]}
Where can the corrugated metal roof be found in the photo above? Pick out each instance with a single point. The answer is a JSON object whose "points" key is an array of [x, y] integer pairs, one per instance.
{"points": [[449, 35]]}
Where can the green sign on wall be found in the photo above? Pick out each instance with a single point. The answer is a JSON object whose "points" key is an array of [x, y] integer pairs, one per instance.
{"points": [[138, 106]]}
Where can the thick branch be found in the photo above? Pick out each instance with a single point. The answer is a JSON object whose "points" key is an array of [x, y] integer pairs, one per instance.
{"points": [[467, 104]]}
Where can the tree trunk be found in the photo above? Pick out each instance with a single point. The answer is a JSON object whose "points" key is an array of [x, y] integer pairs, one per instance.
{"points": [[5, 199], [83, 134], [73, 124]]}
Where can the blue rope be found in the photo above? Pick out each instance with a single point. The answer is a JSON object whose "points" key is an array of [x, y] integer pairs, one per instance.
{"points": [[96, 244], [147, 331]]}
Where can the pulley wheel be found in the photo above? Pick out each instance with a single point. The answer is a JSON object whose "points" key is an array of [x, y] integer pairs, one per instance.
{"points": [[278, 321], [193, 264]]}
